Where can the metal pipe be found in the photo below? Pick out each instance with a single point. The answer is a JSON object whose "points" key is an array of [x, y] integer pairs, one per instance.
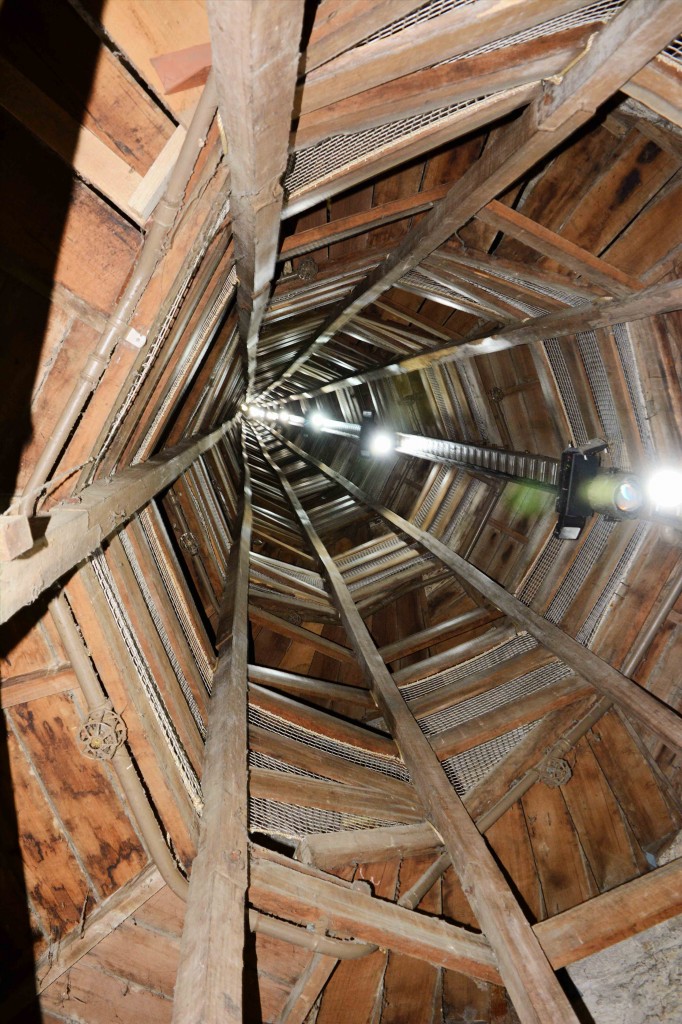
{"points": [[150, 255], [121, 762]]}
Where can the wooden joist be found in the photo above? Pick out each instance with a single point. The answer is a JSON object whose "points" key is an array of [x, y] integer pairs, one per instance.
{"points": [[308, 896], [654, 300]]}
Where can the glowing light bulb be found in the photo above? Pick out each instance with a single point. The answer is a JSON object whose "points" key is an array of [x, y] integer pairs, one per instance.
{"points": [[317, 420], [664, 487], [380, 443]]}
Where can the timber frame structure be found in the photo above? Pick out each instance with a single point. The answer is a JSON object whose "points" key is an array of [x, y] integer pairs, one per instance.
{"points": [[270, 706]]}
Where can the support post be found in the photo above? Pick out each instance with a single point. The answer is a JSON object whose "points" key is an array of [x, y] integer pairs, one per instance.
{"points": [[209, 983]]}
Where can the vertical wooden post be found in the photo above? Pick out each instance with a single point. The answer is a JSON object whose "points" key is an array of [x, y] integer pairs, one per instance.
{"points": [[525, 970], [208, 989]]}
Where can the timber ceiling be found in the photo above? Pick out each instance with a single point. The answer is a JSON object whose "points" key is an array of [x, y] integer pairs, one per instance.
{"points": [[463, 217]]}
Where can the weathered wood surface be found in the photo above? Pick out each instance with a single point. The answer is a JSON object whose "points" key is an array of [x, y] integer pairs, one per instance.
{"points": [[255, 52], [658, 716], [210, 979], [534, 989], [622, 47]]}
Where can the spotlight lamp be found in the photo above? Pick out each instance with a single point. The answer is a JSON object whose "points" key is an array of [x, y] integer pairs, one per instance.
{"points": [[584, 488], [664, 488], [375, 440]]}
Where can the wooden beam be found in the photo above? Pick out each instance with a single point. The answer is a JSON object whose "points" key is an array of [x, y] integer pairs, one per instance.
{"points": [[652, 301], [445, 84], [33, 685], [521, 711], [340, 25], [306, 990], [61, 956], [308, 688], [613, 916], [352, 801], [280, 887], [422, 45], [210, 976], [550, 244], [629, 695], [256, 53], [300, 893], [318, 643], [535, 991], [364, 846], [76, 531], [437, 634], [632, 37], [358, 223]]}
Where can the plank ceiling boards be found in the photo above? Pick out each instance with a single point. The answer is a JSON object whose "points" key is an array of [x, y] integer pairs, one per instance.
{"points": [[291, 734]]}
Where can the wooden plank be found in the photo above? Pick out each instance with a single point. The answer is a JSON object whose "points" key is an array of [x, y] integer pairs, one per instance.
{"points": [[562, 869], [86, 984], [307, 989], [340, 24], [90, 157], [45, 850], [255, 53], [567, 253], [319, 721], [209, 985], [609, 844], [183, 69], [443, 85], [659, 717], [314, 689], [352, 802], [140, 955], [361, 977], [534, 989], [522, 710], [80, 790], [422, 45], [410, 985], [277, 889], [604, 920], [24, 689], [358, 223], [633, 782], [318, 643], [142, 31], [659, 87], [101, 922]]}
